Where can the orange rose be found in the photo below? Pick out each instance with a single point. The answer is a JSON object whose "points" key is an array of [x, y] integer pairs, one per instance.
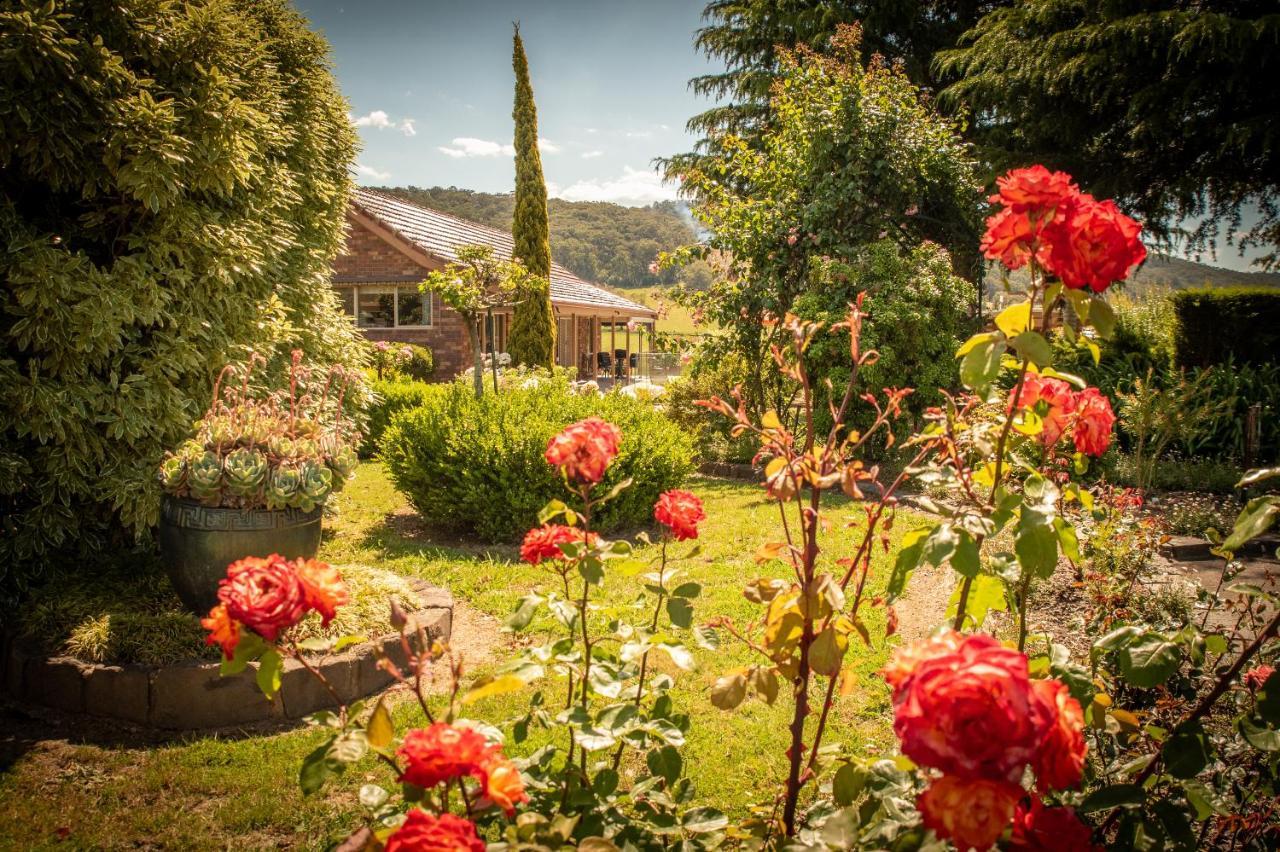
{"points": [[583, 451], [971, 712], [1012, 239], [223, 630], [323, 587], [441, 753], [681, 512], [502, 784], [906, 658], [1059, 399], [1060, 760], [544, 542], [424, 832], [969, 813], [1035, 190], [264, 595]]}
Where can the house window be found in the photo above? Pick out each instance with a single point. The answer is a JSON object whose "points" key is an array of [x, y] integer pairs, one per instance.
{"points": [[387, 305]]}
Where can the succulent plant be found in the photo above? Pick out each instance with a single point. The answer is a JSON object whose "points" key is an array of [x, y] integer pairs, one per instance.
{"points": [[316, 483], [343, 463], [173, 473], [204, 478], [282, 446], [245, 471], [282, 487]]}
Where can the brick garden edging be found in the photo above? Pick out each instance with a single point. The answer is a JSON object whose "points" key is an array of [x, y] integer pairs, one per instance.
{"points": [[192, 696]]}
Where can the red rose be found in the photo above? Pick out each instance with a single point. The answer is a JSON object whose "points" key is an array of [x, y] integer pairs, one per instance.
{"points": [[441, 753], [1011, 238], [970, 813], [971, 712], [1059, 398], [264, 595], [223, 630], [323, 587], [1041, 829], [584, 450], [681, 512], [1035, 190], [1257, 676], [1093, 422], [1095, 246], [1060, 760], [544, 542], [424, 832]]}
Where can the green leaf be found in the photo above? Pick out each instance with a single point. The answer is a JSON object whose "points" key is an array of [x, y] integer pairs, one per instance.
{"points": [[380, 731], [524, 612], [1269, 699], [678, 653], [1259, 735], [703, 821], [1117, 795], [270, 668], [986, 594], [1253, 477], [1034, 348], [965, 560], [707, 638], [1102, 317], [847, 784], [1187, 752], [1014, 319], [1067, 540], [315, 769], [687, 590], [908, 559], [1036, 544], [250, 647], [680, 611], [980, 365], [666, 763], [605, 782], [555, 509], [1253, 521], [345, 642], [941, 544], [1205, 800], [591, 569], [1150, 660], [372, 796]]}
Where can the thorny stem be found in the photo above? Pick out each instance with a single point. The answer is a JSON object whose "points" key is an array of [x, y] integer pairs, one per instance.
{"points": [[324, 681], [653, 626], [1206, 704]]}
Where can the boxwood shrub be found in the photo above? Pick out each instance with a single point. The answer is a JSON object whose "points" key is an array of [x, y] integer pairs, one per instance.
{"points": [[476, 465], [390, 396], [1213, 326]]}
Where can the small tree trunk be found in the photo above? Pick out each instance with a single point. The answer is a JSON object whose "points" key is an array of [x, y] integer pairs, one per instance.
{"points": [[473, 332]]}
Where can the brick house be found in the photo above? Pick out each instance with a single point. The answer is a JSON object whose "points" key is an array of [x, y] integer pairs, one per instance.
{"points": [[392, 244]]}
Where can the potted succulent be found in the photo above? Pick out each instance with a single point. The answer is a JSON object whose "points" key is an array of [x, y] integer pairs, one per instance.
{"points": [[254, 477]]}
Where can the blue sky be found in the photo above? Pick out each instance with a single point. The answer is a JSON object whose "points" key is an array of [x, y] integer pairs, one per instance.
{"points": [[431, 88]]}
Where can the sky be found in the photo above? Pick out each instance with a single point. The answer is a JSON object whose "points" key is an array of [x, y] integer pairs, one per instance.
{"points": [[431, 87]]}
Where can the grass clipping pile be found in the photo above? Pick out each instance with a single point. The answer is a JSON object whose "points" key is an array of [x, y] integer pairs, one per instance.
{"points": [[123, 620]]}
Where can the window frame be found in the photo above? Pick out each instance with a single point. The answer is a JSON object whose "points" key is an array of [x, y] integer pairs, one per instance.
{"points": [[382, 287]]}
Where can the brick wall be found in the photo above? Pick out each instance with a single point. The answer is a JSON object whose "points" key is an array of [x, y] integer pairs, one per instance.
{"points": [[370, 258]]}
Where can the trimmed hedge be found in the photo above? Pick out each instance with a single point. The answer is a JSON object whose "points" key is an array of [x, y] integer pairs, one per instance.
{"points": [[389, 397], [1212, 326], [477, 466]]}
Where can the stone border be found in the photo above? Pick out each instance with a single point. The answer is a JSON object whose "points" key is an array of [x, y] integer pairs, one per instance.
{"points": [[193, 696]]}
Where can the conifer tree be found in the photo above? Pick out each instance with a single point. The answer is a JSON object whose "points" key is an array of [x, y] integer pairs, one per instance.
{"points": [[533, 329]]}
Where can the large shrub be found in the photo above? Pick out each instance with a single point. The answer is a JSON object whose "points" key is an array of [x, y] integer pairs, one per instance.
{"points": [[477, 465], [173, 178], [390, 397], [1213, 325]]}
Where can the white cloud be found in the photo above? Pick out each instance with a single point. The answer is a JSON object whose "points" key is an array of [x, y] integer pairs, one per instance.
{"points": [[638, 134], [591, 155], [593, 130], [469, 146], [370, 171], [634, 188], [379, 120]]}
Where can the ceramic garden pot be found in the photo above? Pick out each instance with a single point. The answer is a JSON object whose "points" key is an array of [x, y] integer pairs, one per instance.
{"points": [[199, 542]]}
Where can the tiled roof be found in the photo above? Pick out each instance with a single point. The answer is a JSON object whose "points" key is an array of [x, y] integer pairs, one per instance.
{"points": [[440, 234]]}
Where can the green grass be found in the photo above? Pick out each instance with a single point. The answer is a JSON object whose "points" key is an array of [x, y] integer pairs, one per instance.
{"points": [[677, 320], [205, 792]]}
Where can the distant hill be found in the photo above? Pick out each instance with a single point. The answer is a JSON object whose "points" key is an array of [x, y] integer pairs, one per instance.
{"points": [[1162, 274], [601, 242]]}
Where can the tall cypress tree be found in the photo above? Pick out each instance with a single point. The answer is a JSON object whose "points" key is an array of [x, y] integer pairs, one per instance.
{"points": [[533, 328]]}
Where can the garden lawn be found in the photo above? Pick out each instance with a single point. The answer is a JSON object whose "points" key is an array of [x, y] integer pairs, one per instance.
{"points": [[96, 787]]}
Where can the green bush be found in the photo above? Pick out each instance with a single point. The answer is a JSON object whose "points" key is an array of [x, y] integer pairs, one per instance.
{"points": [[477, 466], [420, 364], [173, 185], [1213, 326], [705, 378], [390, 397]]}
